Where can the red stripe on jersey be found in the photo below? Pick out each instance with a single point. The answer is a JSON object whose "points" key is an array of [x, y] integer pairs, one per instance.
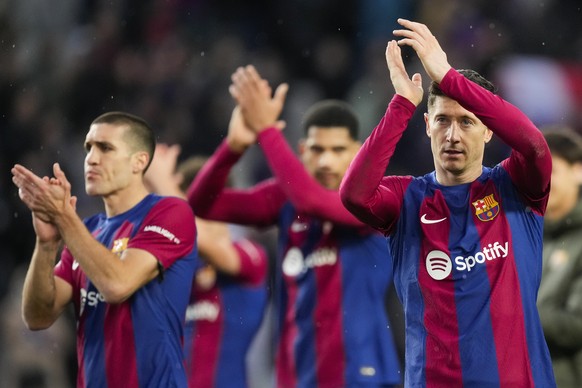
{"points": [[120, 355], [507, 320], [205, 349], [286, 373], [330, 352], [443, 363]]}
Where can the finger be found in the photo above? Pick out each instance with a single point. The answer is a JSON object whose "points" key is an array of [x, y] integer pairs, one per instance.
{"points": [[175, 150], [255, 83], [280, 125], [235, 93], [417, 80], [281, 94], [25, 176], [60, 175], [419, 28], [73, 202]]}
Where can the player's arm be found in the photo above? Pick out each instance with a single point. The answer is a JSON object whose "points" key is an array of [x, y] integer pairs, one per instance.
{"points": [[373, 198], [242, 259], [303, 191], [216, 247], [211, 199], [116, 277], [44, 296], [530, 162]]}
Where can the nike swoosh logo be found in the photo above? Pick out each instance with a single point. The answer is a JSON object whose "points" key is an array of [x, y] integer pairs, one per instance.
{"points": [[425, 220], [75, 264]]}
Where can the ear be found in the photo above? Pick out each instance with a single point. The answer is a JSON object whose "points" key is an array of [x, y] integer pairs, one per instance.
{"points": [[301, 147], [140, 160], [426, 124], [488, 135], [577, 172]]}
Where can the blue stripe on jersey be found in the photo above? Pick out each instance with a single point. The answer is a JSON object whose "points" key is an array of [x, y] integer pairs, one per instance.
{"points": [[244, 306]]}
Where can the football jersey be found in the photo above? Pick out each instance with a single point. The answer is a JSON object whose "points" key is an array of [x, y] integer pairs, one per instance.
{"points": [[222, 319], [334, 331], [468, 281], [136, 343]]}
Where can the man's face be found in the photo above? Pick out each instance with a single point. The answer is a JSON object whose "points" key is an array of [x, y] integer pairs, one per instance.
{"points": [[566, 180], [457, 140], [326, 154], [109, 163]]}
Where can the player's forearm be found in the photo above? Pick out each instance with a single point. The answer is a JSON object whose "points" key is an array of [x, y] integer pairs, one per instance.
{"points": [[39, 290], [507, 122], [360, 187], [220, 255], [302, 190], [211, 180], [103, 267]]}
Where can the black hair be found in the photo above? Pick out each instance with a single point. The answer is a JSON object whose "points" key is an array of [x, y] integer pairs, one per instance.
{"points": [[140, 135], [434, 90], [332, 113], [564, 143]]}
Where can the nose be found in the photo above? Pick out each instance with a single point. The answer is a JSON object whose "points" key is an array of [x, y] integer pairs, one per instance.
{"points": [[325, 159], [453, 133], [91, 157]]}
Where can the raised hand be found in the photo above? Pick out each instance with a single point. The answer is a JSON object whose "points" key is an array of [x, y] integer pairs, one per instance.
{"points": [[253, 94], [42, 196], [428, 49], [161, 175], [239, 136], [409, 88], [47, 198]]}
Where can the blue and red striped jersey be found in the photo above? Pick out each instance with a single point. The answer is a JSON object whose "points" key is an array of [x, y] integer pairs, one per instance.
{"points": [[334, 331], [468, 279], [222, 319], [136, 343]]}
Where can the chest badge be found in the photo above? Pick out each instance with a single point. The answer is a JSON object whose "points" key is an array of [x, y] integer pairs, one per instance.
{"points": [[486, 208]]}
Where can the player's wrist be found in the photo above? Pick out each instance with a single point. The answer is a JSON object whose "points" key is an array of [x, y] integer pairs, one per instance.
{"points": [[236, 146]]}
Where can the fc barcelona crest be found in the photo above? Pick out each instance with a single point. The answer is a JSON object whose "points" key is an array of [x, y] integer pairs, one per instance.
{"points": [[486, 208]]}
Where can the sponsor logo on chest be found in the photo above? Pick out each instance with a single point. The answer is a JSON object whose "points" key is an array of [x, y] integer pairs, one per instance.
{"points": [[439, 264]]}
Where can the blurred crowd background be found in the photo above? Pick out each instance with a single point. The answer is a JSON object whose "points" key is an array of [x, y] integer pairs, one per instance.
{"points": [[64, 63]]}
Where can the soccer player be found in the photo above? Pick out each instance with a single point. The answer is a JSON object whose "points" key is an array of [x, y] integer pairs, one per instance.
{"points": [[332, 270], [229, 293], [127, 271], [560, 296], [465, 239]]}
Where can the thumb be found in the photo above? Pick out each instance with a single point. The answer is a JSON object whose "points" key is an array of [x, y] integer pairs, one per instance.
{"points": [[60, 175], [281, 93], [417, 80], [280, 125], [73, 202]]}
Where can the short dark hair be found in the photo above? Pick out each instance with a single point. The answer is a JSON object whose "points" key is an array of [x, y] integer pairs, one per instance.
{"points": [[434, 90], [140, 135], [332, 113], [565, 143]]}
